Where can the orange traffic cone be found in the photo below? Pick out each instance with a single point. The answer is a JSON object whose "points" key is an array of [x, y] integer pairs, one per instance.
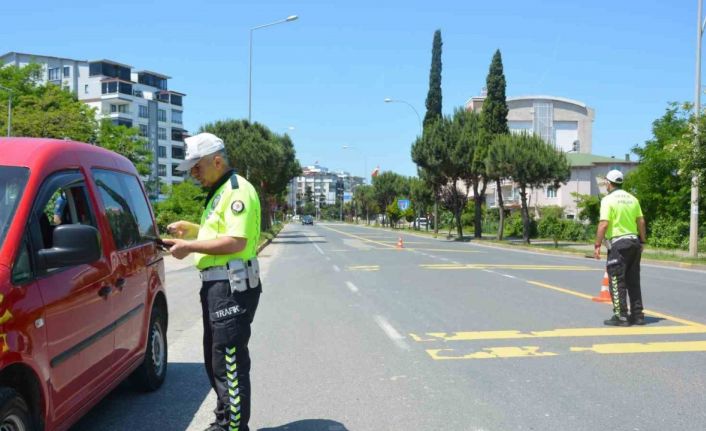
{"points": [[604, 296], [400, 244]]}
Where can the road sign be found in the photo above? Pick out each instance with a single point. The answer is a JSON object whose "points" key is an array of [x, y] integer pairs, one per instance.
{"points": [[347, 197], [403, 204]]}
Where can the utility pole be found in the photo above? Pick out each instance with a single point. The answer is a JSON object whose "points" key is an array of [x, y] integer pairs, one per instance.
{"points": [[694, 219]]}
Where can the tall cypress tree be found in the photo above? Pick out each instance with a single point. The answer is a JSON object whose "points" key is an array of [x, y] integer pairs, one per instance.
{"points": [[433, 102], [495, 104], [494, 116]]}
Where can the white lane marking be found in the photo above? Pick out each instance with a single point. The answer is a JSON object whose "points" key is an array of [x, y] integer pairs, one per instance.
{"points": [[489, 271], [391, 332], [352, 287], [328, 258], [317, 247], [336, 268], [509, 276]]}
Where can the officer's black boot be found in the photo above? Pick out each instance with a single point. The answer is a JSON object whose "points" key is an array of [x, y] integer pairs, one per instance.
{"points": [[617, 321], [637, 319]]}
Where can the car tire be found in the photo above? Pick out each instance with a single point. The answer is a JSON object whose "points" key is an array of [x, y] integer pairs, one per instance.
{"points": [[14, 413], [151, 373]]}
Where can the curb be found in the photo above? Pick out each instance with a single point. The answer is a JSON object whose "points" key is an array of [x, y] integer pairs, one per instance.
{"points": [[265, 244]]}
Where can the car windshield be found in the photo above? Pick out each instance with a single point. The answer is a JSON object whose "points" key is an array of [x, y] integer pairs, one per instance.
{"points": [[12, 183]]}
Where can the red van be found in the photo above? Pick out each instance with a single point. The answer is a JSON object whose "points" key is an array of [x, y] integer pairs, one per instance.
{"points": [[82, 301]]}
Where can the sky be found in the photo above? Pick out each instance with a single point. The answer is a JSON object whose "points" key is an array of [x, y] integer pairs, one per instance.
{"points": [[324, 77]]}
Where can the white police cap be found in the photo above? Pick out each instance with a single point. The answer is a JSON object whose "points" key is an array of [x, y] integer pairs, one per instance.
{"points": [[199, 146]]}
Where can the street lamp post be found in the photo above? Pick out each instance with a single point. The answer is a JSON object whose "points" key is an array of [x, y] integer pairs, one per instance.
{"points": [[9, 110], [694, 220], [421, 128], [288, 19]]}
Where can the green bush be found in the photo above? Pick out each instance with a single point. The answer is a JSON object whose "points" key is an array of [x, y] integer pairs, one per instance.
{"points": [[669, 233], [574, 231], [513, 225]]}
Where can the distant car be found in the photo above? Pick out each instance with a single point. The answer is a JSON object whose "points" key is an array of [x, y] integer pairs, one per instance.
{"points": [[422, 222], [296, 217], [308, 220]]}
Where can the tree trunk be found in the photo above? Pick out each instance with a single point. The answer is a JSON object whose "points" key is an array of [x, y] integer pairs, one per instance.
{"points": [[478, 205], [525, 215], [501, 207], [436, 215], [265, 222]]}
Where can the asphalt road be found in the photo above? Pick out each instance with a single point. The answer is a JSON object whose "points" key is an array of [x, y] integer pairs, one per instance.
{"points": [[354, 333]]}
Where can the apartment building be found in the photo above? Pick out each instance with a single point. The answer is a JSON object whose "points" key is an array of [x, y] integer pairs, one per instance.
{"points": [[133, 98], [322, 183], [563, 122]]}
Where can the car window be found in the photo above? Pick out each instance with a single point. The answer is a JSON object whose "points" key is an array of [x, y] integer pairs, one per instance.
{"points": [[12, 183], [66, 205], [62, 199], [126, 207]]}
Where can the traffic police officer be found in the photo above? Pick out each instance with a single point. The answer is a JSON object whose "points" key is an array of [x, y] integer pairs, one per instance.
{"points": [[623, 225], [225, 251]]}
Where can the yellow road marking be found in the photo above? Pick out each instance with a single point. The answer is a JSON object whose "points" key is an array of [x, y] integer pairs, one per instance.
{"points": [[664, 347], [364, 268], [560, 289], [490, 353], [647, 312], [556, 333], [510, 266]]}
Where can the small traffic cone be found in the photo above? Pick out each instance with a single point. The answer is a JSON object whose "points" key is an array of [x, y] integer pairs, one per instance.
{"points": [[604, 296], [400, 244]]}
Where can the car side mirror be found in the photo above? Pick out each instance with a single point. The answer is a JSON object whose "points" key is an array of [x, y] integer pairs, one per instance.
{"points": [[74, 244]]}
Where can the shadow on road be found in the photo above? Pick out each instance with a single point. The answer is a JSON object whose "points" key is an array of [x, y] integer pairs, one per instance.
{"points": [[172, 407], [309, 425]]}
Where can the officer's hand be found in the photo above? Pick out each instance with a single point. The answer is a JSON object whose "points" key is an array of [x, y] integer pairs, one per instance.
{"points": [[597, 253], [178, 247], [180, 229]]}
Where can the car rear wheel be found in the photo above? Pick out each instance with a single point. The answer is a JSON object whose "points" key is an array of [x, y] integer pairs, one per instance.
{"points": [[14, 413], [151, 374]]}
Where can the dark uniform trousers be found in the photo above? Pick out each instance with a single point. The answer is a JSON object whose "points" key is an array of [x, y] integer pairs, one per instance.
{"points": [[624, 272], [226, 322]]}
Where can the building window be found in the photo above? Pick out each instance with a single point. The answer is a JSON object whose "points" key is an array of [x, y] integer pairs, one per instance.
{"points": [[544, 121], [143, 130], [162, 170], [54, 74], [162, 133], [162, 115], [118, 108], [176, 117], [177, 135], [143, 111], [176, 100], [85, 89], [162, 152], [67, 71], [551, 192], [177, 153], [175, 171], [122, 122]]}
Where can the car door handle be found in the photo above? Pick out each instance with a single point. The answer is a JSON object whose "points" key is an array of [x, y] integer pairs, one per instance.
{"points": [[105, 291], [120, 283]]}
